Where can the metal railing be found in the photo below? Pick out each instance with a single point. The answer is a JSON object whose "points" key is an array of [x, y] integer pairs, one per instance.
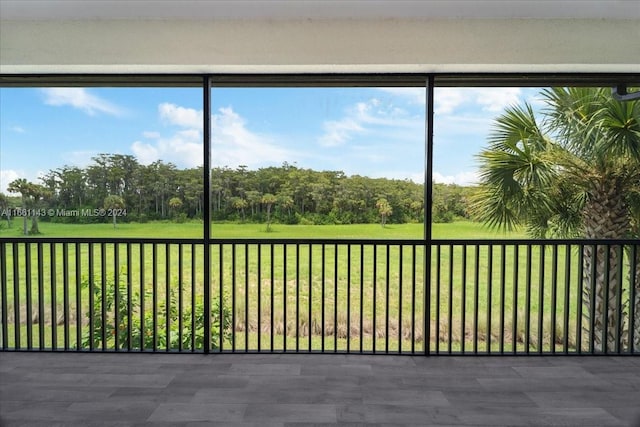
{"points": [[331, 296]]}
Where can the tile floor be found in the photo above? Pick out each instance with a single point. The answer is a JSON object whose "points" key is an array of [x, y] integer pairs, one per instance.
{"points": [[67, 389]]}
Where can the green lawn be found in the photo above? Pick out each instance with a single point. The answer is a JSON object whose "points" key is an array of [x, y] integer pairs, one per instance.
{"points": [[194, 229]]}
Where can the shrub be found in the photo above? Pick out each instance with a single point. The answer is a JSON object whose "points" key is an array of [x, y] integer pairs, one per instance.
{"points": [[141, 324]]}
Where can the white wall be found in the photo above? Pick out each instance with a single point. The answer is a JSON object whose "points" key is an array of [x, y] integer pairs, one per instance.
{"points": [[319, 45]]}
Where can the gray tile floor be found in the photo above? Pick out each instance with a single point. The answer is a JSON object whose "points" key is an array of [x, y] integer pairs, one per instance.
{"points": [[55, 389]]}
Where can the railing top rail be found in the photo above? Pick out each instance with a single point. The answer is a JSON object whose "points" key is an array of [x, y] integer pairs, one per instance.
{"points": [[320, 241]]}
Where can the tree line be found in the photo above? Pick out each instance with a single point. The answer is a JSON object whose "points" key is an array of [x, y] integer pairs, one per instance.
{"points": [[286, 194]]}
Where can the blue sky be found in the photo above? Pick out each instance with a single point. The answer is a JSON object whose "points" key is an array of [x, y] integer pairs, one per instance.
{"points": [[377, 132]]}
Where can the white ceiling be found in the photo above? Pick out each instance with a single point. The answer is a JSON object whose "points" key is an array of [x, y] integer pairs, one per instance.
{"points": [[319, 36], [315, 9]]}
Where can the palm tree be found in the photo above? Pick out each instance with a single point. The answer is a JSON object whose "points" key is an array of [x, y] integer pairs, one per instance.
{"points": [[31, 194], [113, 204], [175, 203], [269, 200], [21, 186], [384, 209], [4, 208], [240, 204], [573, 172]]}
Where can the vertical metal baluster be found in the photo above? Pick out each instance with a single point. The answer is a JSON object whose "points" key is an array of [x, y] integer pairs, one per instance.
{"points": [[297, 297], [103, 304], [116, 308], [541, 299], [233, 295], [167, 292], [489, 295], [3, 284], [349, 299], [554, 292], [129, 298], [592, 293], [272, 280], [16, 293], [220, 302], [65, 291], [40, 297], [322, 297], [53, 295], [310, 294], [284, 297], [28, 285], [450, 305], [78, 249], [516, 265], [180, 296], [463, 305], [579, 298], [633, 268], [400, 281], [387, 297], [375, 295], [605, 314], [476, 298], [527, 311], [619, 311], [143, 329], [361, 298], [567, 296], [92, 329], [193, 297], [503, 299], [259, 295], [335, 299], [438, 292], [413, 298], [426, 297], [154, 280], [246, 297]]}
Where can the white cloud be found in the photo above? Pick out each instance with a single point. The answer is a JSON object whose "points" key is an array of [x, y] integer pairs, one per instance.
{"points": [[497, 99], [361, 117], [144, 152], [180, 116], [234, 144], [461, 178], [80, 158], [183, 149], [414, 95], [447, 99], [6, 176], [463, 125], [17, 129], [81, 99], [417, 177], [338, 132], [151, 135]]}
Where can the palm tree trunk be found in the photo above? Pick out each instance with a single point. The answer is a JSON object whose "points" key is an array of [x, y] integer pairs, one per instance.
{"points": [[635, 282], [605, 218]]}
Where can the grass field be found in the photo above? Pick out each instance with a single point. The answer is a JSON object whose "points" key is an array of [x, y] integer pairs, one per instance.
{"points": [[456, 230], [343, 296]]}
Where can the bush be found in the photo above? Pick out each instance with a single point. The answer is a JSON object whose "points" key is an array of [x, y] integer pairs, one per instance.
{"points": [[142, 330], [181, 218]]}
